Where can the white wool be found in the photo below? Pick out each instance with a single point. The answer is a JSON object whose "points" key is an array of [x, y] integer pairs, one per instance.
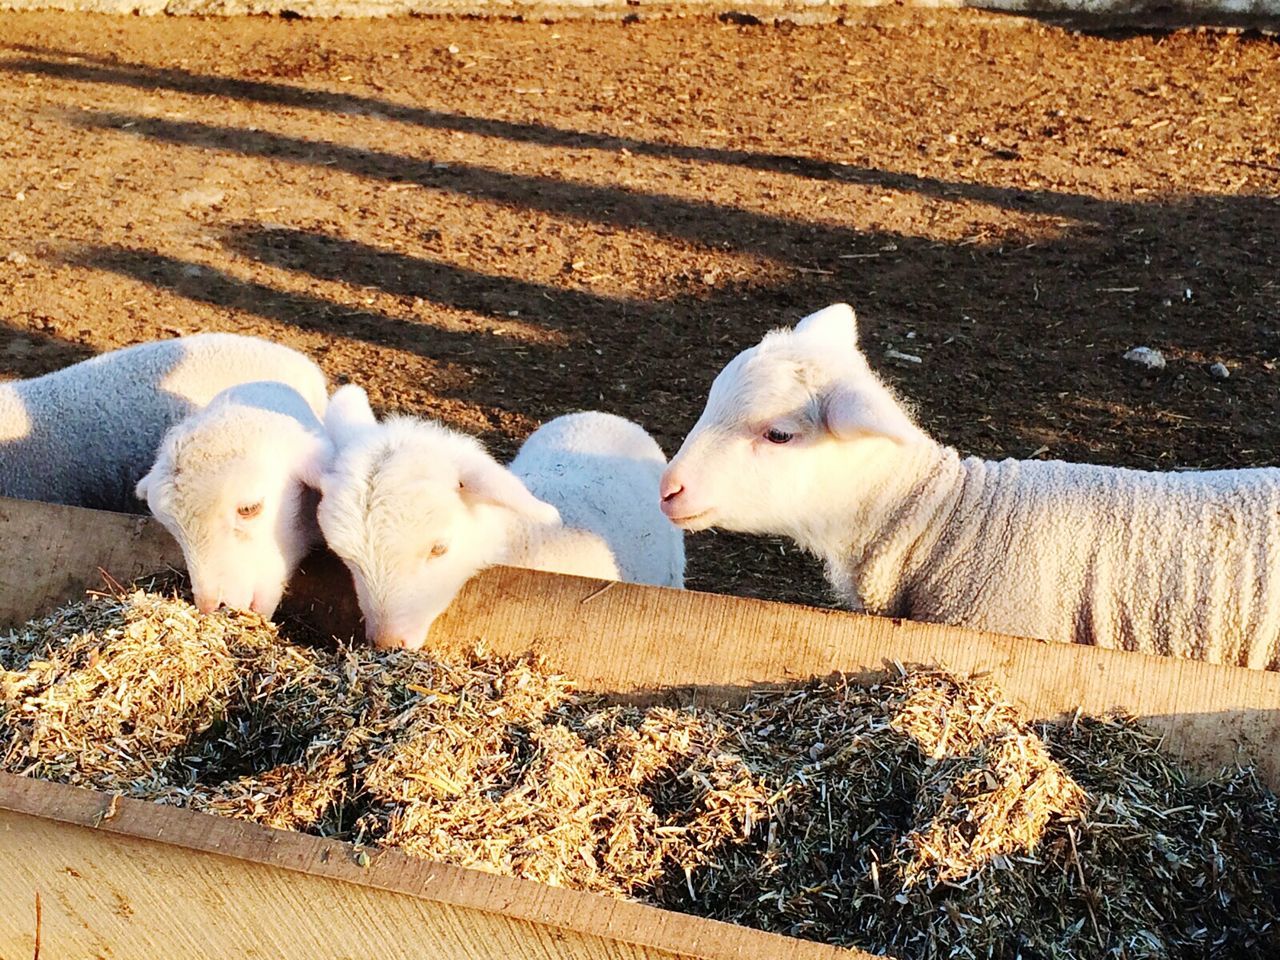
{"points": [[416, 509], [234, 483], [1180, 564], [601, 472], [86, 434]]}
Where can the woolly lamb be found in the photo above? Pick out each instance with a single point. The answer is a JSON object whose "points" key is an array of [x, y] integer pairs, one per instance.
{"points": [[415, 510], [235, 484], [799, 437], [86, 434]]}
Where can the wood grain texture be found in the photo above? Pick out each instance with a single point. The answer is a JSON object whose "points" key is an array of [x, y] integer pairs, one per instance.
{"points": [[124, 878], [53, 553]]}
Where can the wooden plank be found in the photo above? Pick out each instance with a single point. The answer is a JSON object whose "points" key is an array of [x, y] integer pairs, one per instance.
{"points": [[650, 644], [124, 878], [50, 553]]}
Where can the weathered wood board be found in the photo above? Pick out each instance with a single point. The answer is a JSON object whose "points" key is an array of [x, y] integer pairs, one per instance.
{"points": [[52, 553], [127, 879], [130, 879]]}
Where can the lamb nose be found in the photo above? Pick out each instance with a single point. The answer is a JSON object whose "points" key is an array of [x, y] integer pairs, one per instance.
{"points": [[390, 641], [671, 489]]}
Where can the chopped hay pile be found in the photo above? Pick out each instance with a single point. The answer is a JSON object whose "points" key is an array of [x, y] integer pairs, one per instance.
{"points": [[920, 816], [101, 695]]}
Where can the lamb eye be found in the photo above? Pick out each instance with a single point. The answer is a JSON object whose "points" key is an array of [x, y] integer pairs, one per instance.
{"points": [[439, 549], [775, 435], [248, 511]]}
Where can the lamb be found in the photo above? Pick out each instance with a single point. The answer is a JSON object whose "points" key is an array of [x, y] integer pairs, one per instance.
{"points": [[800, 438], [415, 509], [86, 434], [235, 483]]}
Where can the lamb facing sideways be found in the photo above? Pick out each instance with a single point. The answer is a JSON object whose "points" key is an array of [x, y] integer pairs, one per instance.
{"points": [[235, 483], [415, 509], [800, 438], [86, 434]]}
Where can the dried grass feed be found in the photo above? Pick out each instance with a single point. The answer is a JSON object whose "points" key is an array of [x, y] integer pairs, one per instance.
{"points": [[920, 817]]}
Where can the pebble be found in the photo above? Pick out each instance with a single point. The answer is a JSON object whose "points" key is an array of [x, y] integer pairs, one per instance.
{"points": [[1219, 371], [1146, 357], [202, 197], [893, 354], [18, 258]]}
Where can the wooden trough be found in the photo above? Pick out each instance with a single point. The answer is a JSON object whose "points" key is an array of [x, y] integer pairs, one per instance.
{"points": [[83, 874]]}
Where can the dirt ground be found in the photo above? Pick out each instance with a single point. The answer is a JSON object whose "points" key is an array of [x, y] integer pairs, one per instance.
{"points": [[497, 222]]}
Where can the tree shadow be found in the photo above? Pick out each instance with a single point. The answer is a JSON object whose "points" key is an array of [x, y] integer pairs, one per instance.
{"points": [[701, 222], [1156, 19], [1100, 283], [208, 285], [101, 70], [341, 260], [25, 353]]}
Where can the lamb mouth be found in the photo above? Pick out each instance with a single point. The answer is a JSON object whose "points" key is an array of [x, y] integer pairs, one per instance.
{"points": [[694, 521]]}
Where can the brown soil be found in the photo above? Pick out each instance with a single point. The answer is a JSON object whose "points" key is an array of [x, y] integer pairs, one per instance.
{"points": [[496, 222]]}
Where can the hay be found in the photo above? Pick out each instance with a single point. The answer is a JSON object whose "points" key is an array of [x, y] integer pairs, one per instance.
{"points": [[992, 790], [920, 816], [103, 694]]}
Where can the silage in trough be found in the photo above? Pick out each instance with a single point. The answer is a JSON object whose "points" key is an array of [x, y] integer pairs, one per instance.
{"points": [[920, 816]]}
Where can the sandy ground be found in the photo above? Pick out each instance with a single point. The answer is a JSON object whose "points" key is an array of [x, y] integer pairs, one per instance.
{"points": [[493, 223]]}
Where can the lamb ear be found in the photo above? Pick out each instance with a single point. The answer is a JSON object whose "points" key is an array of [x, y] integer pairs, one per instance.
{"points": [[849, 413], [143, 487], [486, 481], [836, 325], [348, 414], [314, 460]]}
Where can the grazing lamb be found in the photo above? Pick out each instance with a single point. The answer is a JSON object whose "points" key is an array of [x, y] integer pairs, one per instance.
{"points": [[235, 483], [86, 434], [415, 510], [799, 437]]}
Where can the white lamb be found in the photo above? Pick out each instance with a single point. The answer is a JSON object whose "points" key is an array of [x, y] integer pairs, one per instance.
{"points": [[800, 438], [235, 483], [86, 434], [415, 510]]}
